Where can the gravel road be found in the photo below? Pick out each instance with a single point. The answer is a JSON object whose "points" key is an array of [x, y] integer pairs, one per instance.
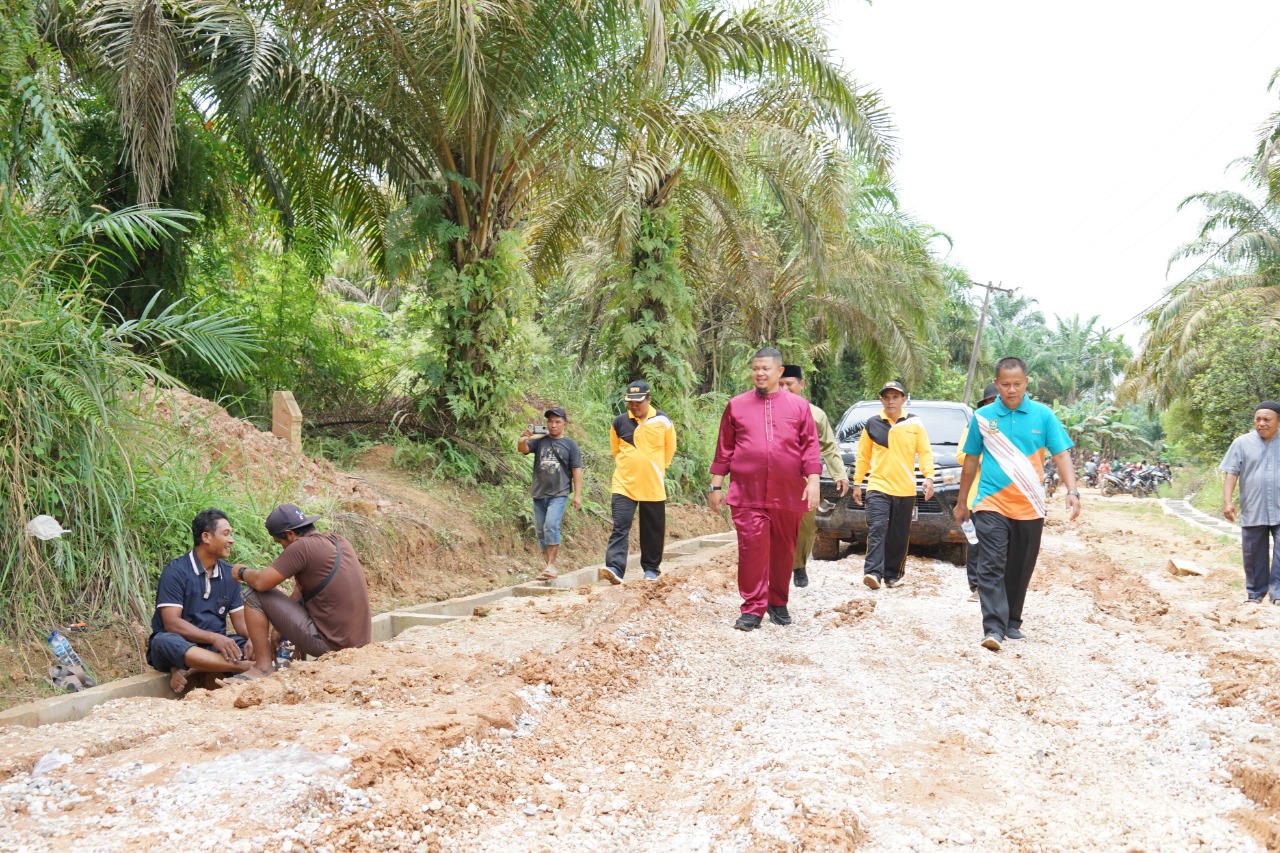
{"points": [[635, 718]]}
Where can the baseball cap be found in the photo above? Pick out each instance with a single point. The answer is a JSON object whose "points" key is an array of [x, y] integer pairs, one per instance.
{"points": [[555, 412], [637, 392], [287, 517], [990, 391], [893, 385]]}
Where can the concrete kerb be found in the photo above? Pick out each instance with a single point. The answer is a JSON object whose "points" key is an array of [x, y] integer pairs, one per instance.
{"points": [[74, 706], [1186, 512]]}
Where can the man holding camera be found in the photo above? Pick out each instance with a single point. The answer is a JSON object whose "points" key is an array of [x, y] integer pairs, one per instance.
{"points": [[557, 473]]}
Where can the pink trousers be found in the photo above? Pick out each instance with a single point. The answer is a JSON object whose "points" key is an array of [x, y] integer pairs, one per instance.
{"points": [[766, 550]]}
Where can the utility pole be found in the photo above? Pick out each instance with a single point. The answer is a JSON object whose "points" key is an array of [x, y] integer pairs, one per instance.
{"points": [[977, 341]]}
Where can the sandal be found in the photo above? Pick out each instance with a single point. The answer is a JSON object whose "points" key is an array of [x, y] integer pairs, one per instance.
{"points": [[546, 575]]}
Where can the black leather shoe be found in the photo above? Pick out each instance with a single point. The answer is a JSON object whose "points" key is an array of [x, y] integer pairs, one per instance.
{"points": [[778, 615], [801, 577], [1014, 634], [747, 622], [991, 641]]}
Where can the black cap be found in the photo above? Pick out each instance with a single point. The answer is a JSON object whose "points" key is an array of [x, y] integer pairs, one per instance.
{"points": [[555, 412], [287, 517], [637, 392], [990, 392], [793, 371], [893, 385]]}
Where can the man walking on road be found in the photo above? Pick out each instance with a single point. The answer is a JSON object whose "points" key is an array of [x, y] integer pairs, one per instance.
{"points": [[1008, 439], [793, 381], [1253, 460], [557, 472], [643, 440], [890, 444], [971, 564], [768, 446]]}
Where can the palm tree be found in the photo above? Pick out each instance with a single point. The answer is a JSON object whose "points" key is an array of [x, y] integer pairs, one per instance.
{"points": [[744, 108], [1239, 240]]}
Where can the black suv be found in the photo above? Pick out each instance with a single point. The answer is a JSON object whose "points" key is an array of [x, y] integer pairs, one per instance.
{"points": [[840, 519]]}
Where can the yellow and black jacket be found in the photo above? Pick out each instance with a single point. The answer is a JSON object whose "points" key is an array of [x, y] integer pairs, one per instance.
{"points": [[888, 450], [642, 450]]}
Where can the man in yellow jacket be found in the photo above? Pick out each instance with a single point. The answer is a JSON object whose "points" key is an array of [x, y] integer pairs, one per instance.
{"points": [[890, 443], [643, 440]]}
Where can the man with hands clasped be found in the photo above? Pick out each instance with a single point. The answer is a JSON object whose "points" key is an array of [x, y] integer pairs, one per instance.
{"points": [[195, 597], [890, 444]]}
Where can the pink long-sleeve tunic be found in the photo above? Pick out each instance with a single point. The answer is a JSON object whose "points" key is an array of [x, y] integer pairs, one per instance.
{"points": [[768, 444]]}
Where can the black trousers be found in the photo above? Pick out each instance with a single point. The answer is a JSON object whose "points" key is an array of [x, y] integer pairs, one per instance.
{"points": [[971, 567], [888, 533], [653, 533], [1005, 563]]}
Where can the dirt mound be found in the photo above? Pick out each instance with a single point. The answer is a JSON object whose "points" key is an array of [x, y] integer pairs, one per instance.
{"points": [[259, 460], [851, 612]]}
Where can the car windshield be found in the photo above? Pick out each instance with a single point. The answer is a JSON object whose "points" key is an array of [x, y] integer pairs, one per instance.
{"points": [[944, 424]]}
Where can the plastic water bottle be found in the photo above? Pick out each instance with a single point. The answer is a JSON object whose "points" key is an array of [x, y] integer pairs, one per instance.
{"points": [[970, 532], [284, 654], [62, 650]]}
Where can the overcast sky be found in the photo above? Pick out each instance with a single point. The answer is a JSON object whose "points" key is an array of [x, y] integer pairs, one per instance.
{"points": [[1054, 142]]}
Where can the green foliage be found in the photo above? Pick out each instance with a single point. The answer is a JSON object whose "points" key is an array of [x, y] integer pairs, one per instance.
{"points": [[1201, 483], [649, 329], [73, 441], [1239, 366], [1103, 429], [470, 321]]}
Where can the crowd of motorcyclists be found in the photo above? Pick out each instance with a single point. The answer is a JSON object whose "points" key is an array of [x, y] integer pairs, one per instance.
{"points": [[1118, 477]]}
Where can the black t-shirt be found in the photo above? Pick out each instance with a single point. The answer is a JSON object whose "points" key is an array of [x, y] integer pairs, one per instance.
{"points": [[553, 461]]}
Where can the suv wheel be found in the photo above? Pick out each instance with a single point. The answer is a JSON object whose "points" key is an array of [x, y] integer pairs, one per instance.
{"points": [[826, 548]]}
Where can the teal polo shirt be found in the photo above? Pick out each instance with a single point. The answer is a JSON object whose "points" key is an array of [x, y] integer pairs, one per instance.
{"points": [[1033, 428]]}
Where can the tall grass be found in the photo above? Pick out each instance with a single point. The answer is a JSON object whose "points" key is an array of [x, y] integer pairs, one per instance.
{"points": [[73, 443]]}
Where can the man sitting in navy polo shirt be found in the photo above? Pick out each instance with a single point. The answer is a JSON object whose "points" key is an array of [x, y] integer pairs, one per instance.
{"points": [[193, 600]]}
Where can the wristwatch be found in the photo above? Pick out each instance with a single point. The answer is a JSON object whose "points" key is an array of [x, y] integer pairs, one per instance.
{"points": [[1077, 494], [241, 577], [715, 488]]}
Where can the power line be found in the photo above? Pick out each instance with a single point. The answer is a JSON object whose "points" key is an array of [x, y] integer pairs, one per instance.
{"points": [[1188, 277]]}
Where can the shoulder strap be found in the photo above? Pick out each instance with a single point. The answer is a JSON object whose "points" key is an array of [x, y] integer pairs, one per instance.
{"points": [[337, 561]]}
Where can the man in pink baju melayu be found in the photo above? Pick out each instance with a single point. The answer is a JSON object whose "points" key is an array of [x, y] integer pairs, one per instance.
{"points": [[768, 445]]}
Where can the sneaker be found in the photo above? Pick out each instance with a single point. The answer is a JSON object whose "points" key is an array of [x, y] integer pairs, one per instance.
{"points": [[747, 622], [778, 615], [892, 582], [651, 574], [991, 641], [1014, 634], [800, 577], [871, 581], [608, 574], [973, 596]]}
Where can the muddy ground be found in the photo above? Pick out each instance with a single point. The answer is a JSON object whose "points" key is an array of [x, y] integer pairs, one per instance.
{"points": [[1140, 714]]}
